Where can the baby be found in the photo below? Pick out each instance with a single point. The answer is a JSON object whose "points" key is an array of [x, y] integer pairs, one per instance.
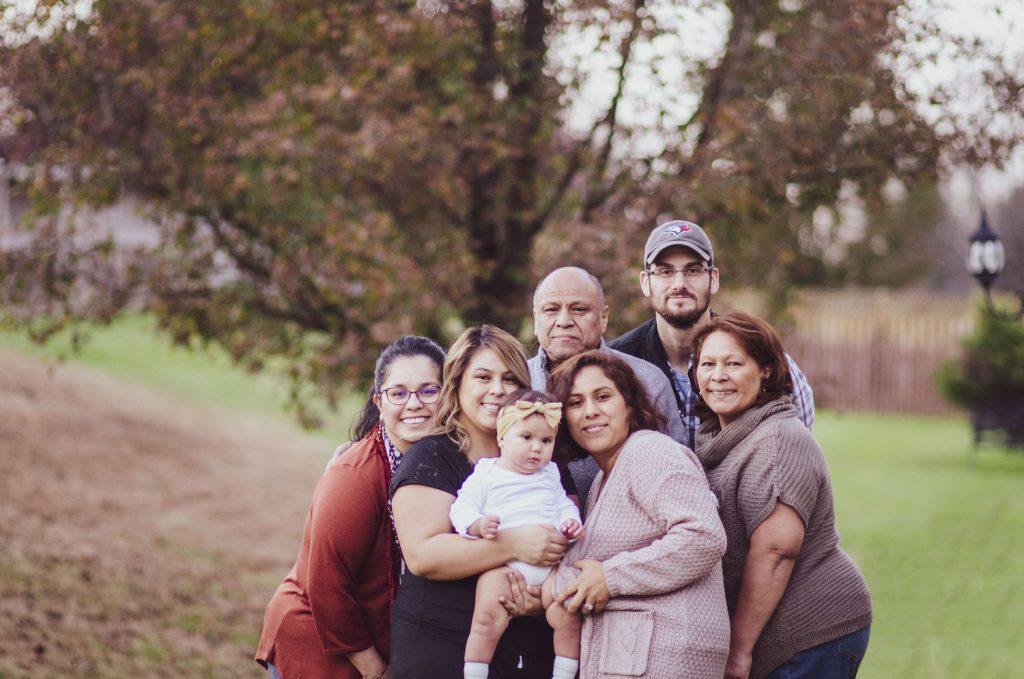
{"points": [[522, 487]]}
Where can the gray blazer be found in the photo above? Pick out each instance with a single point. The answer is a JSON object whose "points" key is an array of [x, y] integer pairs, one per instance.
{"points": [[658, 388]]}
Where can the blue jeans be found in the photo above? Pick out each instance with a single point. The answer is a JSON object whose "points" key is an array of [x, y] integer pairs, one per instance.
{"points": [[836, 659], [274, 674]]}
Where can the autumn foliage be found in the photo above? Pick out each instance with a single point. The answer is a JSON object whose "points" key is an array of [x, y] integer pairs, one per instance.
{"points": [[328, 175]]}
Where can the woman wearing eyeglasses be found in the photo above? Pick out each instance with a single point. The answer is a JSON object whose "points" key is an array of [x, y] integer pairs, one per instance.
{"points": [[331, 616]]}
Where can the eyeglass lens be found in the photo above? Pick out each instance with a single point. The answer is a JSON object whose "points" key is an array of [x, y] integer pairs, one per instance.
{"points": [[400, 396], [691, 271]]}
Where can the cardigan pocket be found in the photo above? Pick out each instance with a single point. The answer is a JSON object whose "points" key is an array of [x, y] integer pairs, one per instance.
{"points": [[625, 642]]}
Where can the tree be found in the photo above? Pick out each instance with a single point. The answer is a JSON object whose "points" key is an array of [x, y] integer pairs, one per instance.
{"points": [[328, 175], [989, 378]]}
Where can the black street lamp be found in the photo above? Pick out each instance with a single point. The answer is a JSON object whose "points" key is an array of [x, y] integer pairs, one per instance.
{"points": [[985, 257]]}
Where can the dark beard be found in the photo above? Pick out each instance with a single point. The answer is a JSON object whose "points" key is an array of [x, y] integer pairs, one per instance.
{"points": [[686, 321]]}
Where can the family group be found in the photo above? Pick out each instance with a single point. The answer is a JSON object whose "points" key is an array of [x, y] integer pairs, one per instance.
{"points": [[654, 506]]}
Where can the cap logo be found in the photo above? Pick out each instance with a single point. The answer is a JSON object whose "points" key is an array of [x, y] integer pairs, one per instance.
{"points": [[676, 229]]}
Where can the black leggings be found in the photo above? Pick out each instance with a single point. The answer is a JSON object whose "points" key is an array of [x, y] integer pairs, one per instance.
{"points": [[424, 654]]}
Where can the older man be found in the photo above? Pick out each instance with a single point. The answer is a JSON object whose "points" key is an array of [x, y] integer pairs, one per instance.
{"points": [[679, 277], [569, 317]]}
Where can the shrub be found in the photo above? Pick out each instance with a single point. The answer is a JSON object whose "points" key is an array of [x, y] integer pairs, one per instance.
{"points": [[991, 372]]}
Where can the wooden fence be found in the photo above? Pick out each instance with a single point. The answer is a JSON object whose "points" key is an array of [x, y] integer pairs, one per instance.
{"points": [[878, 350]]}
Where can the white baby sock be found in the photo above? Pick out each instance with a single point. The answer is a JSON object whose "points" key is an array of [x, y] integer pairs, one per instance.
{"points": [[565, 668], [476, 670]]}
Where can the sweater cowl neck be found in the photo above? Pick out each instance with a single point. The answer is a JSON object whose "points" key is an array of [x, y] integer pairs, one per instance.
{"points": [[714, 443]]}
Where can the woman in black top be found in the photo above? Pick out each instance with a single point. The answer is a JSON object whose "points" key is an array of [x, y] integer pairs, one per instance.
{"points": [[434, 605]]}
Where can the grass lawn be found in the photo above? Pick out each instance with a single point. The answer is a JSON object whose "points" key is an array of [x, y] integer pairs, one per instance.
{"points": [[941, 541], [133, 349]]}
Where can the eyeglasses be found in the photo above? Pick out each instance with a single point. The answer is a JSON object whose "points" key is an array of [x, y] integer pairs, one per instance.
{"points": [[666, 273], [398, 396]]}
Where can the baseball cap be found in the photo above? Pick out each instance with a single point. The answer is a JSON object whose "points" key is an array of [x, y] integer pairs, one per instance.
{"points": [[678, 232]]}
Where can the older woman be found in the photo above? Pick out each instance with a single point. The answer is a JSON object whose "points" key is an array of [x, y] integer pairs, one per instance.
{"points": [[331, 617], [647, 574], [434, 606], [799, 606]]}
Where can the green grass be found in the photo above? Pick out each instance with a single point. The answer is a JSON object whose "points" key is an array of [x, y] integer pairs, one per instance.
{"points": [[939, 535], [132, 348]]}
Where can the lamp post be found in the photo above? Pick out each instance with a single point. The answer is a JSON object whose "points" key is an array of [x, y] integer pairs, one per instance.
{"points": [[985, 257]]}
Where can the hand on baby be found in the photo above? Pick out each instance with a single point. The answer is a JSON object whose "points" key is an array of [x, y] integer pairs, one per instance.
{"points": [[485, 527], [572, 529]]}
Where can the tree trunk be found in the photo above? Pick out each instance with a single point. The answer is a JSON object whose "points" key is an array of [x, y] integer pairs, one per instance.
{"points": [[500, 293]]}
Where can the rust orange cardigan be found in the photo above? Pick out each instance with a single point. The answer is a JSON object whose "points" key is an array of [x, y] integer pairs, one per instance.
{"points": [[337, 598]]}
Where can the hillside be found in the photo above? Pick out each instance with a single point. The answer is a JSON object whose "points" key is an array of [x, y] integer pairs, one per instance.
{"points": [[139, 536]]}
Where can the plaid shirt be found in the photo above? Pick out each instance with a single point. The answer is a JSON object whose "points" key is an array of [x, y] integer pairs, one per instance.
{"points": [[803, 398]]}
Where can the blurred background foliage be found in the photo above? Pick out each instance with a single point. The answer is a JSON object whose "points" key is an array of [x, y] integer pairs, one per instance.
{"points": [[991, 371], [325, 176]]}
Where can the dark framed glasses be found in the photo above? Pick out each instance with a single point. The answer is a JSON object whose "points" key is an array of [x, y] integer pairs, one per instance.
{"points": [[689, 271], [399, 395]]}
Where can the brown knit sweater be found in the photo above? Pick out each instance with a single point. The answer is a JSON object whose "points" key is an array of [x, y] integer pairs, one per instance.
{"points": [[767, 456]]}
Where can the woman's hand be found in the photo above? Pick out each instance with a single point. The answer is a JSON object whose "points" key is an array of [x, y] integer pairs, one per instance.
{"points": [[337, 453], [524, 600], [589, 593], [738, 665], [536, 545]]}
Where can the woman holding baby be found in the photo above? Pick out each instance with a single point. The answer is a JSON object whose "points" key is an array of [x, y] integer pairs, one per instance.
{"points": [[653, 540], [434, 607]]}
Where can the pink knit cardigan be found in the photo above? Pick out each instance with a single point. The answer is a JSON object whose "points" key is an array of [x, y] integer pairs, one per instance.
{"points": [[654, 525]]}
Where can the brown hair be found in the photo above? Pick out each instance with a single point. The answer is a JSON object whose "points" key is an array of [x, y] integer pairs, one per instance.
{"points": [[761, 343], [642, 413], [509, 350]]}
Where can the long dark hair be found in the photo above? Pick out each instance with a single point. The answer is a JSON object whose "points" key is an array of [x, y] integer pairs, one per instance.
{"points": [[407, 346], [642, 413]]}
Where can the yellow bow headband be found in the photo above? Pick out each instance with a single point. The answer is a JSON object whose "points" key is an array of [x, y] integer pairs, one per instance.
{"points": [[520, 410]]}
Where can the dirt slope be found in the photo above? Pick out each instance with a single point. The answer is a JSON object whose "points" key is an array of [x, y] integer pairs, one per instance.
{"points": [[138, 536]]}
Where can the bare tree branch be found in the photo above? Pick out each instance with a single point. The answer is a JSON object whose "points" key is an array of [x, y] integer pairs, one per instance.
{"points": [[597, 194], [718, 89], [721, 83]]}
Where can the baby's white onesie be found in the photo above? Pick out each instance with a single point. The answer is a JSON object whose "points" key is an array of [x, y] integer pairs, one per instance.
{"points": [[518, 500]]}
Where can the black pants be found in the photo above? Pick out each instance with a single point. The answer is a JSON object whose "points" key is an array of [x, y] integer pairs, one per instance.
{"points": [[424, 654]]}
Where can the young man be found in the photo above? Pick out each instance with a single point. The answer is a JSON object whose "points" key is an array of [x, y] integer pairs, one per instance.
{"points": [[679, 277]]}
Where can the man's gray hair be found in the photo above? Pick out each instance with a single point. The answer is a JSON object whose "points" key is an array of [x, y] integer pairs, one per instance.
{"points": [[589, 276]]}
